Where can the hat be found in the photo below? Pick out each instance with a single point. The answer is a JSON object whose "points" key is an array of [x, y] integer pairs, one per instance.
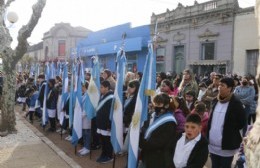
{"points": [[228, 81]]}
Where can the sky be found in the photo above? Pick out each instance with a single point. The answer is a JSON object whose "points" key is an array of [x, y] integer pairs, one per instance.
{"points": [[93, 14]]}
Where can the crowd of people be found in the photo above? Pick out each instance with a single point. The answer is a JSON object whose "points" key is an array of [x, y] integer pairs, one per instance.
{"points": [[190, 118]]}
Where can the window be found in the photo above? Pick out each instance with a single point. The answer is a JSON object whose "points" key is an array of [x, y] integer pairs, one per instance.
{"points": [[252, 61], [131, 63], [160, 55], [178, 57], [208, 50], [62, 48]]}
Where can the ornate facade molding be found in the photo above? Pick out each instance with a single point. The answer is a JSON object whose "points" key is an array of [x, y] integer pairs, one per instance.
{"points": [[208, 34], [178, 37]]}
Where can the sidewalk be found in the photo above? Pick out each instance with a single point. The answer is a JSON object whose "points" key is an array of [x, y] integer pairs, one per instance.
{"points": [[30, 148]]}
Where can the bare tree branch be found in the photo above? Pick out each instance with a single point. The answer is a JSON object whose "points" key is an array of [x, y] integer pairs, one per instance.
{"points": [[8, 3], [25, 32], [2, 3]]}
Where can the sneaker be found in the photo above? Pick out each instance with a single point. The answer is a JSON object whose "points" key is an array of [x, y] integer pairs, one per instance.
{"points": [[63, 132], [84, 152], [106, 159], [58, 130], [81, 149], [68, 138]]}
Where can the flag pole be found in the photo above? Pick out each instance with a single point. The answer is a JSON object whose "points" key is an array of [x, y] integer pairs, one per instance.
{"points": [[118, 57]]}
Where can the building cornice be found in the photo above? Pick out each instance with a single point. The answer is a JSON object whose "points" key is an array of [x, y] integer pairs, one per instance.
{"points": [[221, 11]]}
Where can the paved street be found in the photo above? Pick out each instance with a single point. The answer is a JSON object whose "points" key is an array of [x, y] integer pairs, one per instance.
{"points": [[26, 149]]}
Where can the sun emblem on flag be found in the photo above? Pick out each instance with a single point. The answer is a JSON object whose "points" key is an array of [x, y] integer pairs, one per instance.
{"points": [[150, 93], [92, 88], [136, 120]]}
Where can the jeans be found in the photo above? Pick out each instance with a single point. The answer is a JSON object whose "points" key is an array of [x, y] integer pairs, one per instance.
{"points": [[221, 161], [86, 135]]}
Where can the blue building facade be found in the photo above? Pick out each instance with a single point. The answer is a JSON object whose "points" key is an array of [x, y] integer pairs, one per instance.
{"points": [[105, 43]]}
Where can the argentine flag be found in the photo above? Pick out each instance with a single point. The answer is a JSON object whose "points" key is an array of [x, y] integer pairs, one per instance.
{"points": [[82, 72], [72, 94], [31, 71], [59, 69], [52, 71], [77, 119], [141, 107], [65, 86], [46, 91], [116, 114], [93, 89]]}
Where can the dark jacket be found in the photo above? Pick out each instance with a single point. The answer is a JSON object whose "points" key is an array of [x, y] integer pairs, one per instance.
{"points": [[157, 151], [102, 118], [199, 154], [235, 119], [51, 102], [66, 107], [129, 111], [41, 93]]}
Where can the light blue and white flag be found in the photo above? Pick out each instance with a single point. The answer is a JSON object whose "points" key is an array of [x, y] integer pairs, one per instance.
{"points": [[82, 72], [52, 71], [59, 69], [116, 113], [65, 92], [46, 91], [32, 69], [141, 108], [77, 119], [93, 89], [72, 94]]}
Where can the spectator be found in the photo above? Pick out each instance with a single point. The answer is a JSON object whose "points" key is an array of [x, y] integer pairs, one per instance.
{"points": [[188, 83], [226, 119], [192, 148]]}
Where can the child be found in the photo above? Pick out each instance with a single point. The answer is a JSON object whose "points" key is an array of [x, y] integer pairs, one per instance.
{"points": [[190, 98], [192, 148], [159, 139], [200, 108], [86, 124], [103, 122], [33, 95]]}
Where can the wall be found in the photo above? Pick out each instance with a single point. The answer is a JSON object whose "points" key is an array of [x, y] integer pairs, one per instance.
{"points": [[244, 39]]}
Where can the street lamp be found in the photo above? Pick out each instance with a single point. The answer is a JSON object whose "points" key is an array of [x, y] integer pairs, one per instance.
{"points": [[12, 17]]}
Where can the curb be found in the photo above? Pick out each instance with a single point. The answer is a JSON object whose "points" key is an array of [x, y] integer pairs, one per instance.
{"points": [[48, 142]]}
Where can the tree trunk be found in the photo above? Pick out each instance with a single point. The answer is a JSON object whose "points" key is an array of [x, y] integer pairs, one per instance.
{"points": [[10, 59], [252, 141], [8, 100]]}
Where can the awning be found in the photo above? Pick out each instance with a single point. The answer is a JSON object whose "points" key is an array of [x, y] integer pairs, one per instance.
{"points": [[131, 44], [208, 62]]}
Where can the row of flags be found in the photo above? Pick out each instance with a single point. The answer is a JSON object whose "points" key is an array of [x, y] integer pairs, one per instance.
{"points": [[92, 98]]}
